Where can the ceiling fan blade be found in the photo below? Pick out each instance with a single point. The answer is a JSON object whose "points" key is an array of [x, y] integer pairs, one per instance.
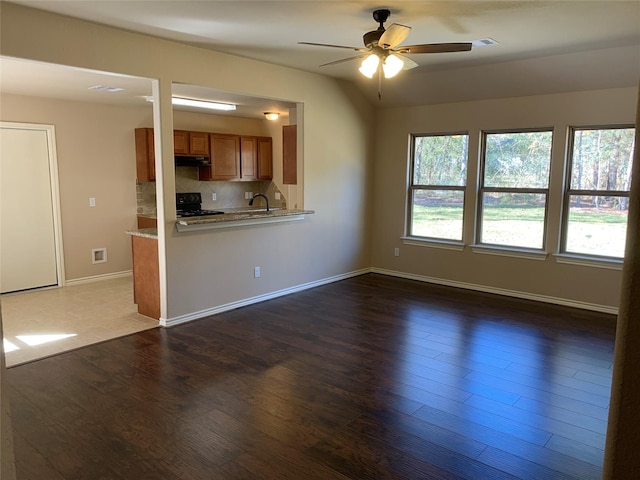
{"points": [[436, 48], [394, 35], [343, 60], [357, 49], [408, 63]]}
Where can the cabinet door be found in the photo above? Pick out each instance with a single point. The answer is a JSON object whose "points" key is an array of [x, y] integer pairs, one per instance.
{"points": [[180, 142], [289, 155], [199, 143], [225, 157], [265, 158], [248, 158], [145, 155]]}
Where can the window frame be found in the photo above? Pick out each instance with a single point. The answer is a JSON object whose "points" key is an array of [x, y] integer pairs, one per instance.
{"points": [[568, 192], [413, 187], [483, 189]]}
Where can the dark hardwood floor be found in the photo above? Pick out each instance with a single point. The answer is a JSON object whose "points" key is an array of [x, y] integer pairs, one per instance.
{"points": [[368, 378]]}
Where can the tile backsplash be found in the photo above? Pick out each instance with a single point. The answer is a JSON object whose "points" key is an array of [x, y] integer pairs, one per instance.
{"points": [[228, 194]]}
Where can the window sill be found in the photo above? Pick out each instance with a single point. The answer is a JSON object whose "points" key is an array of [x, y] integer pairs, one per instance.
{"points": [[609, 263], [509, 252], [423, 242]]}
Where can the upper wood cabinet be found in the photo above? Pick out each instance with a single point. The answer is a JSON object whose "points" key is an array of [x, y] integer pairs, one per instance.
{"points": [[235, 157], [145, 156], [265, 158], [225, 158], [190, 143], [248, 158], [289, 155]]}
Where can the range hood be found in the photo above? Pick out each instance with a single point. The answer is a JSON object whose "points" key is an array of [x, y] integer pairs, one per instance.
{"points": [[192, 161]]}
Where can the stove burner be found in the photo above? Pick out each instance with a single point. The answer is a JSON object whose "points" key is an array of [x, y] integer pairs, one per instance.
{"points": [[189, 205]]}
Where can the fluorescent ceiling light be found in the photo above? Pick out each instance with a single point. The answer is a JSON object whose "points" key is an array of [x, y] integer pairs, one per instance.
{"points": [[190, 102], [106, 88]]}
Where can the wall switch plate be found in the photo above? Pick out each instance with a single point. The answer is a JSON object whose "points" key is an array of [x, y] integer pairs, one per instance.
{"points": [[256, 272], [277, 195], [214, 197], [396, 252], [92, 202]]}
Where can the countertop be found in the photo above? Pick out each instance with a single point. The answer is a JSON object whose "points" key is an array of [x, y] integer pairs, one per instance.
{"points": [[241, 217], [144, 232], [231, 218]]}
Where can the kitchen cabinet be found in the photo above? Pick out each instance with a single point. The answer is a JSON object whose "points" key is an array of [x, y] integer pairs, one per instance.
{"points": [[265, 158], [239, 157], [190, 143], [248, 158], [289, 155], [146, 276], [225, 158], [145, 156]]}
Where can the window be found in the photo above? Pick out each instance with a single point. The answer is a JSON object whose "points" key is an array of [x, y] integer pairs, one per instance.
{"points": [[514, 188], [436, 191], [596, 199]]}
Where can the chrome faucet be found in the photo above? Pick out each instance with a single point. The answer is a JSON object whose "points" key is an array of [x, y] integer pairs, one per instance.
{"points": [[259, 195]]}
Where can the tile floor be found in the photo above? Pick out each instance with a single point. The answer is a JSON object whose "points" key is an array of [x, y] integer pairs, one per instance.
{"points": [[47, 322]]}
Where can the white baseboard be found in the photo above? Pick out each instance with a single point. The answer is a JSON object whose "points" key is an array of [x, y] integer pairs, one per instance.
{"points": [[98, 278], [171, 322], [500, 291]]}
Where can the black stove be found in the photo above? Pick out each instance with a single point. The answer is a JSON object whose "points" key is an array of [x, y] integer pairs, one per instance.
{"points": [[189, 205]]}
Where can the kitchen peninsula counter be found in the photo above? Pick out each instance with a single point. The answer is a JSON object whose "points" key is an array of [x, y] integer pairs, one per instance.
{"points": [[241, 217]]}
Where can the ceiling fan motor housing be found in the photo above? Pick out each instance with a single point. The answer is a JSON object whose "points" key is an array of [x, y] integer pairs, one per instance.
{"points": [[371, 38]]}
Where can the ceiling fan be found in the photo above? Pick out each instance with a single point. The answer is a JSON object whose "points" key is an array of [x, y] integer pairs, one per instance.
{"points": [[383, 53]]}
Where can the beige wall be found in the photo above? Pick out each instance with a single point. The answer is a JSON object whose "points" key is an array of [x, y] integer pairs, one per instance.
{"points": [[580, 285], [96, 158], [208, 269]]}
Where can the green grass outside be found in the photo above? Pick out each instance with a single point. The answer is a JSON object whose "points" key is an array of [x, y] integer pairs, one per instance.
{"points": [[590, 231], [508, 212]]}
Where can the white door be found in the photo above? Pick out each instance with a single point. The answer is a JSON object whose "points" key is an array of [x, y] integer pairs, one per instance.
{"points": [[28, 253]]}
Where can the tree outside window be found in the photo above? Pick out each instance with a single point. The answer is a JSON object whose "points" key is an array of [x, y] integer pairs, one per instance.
{"points": [[514, 188], [436, 190], [596, 199]]}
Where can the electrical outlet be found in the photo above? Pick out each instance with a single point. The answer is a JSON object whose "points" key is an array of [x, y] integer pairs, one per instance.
{"points": [[214, 197], [277, 195], [396, 252], [256, 272], [92, 202]]}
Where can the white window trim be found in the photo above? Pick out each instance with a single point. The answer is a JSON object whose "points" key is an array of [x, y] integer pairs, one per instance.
{"points": [[585, 261], [433, 243], [509, 252]]}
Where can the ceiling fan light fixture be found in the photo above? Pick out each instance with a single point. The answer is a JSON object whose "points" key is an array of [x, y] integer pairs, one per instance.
{"points": [[392, 66], [271, 115], [369, 65]]}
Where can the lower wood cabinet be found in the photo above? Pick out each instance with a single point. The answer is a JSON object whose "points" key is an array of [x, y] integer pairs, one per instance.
{"points": [[146, 276]]}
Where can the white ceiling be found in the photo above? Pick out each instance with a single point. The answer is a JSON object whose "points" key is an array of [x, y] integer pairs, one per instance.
{"points": [[544, 46]]}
